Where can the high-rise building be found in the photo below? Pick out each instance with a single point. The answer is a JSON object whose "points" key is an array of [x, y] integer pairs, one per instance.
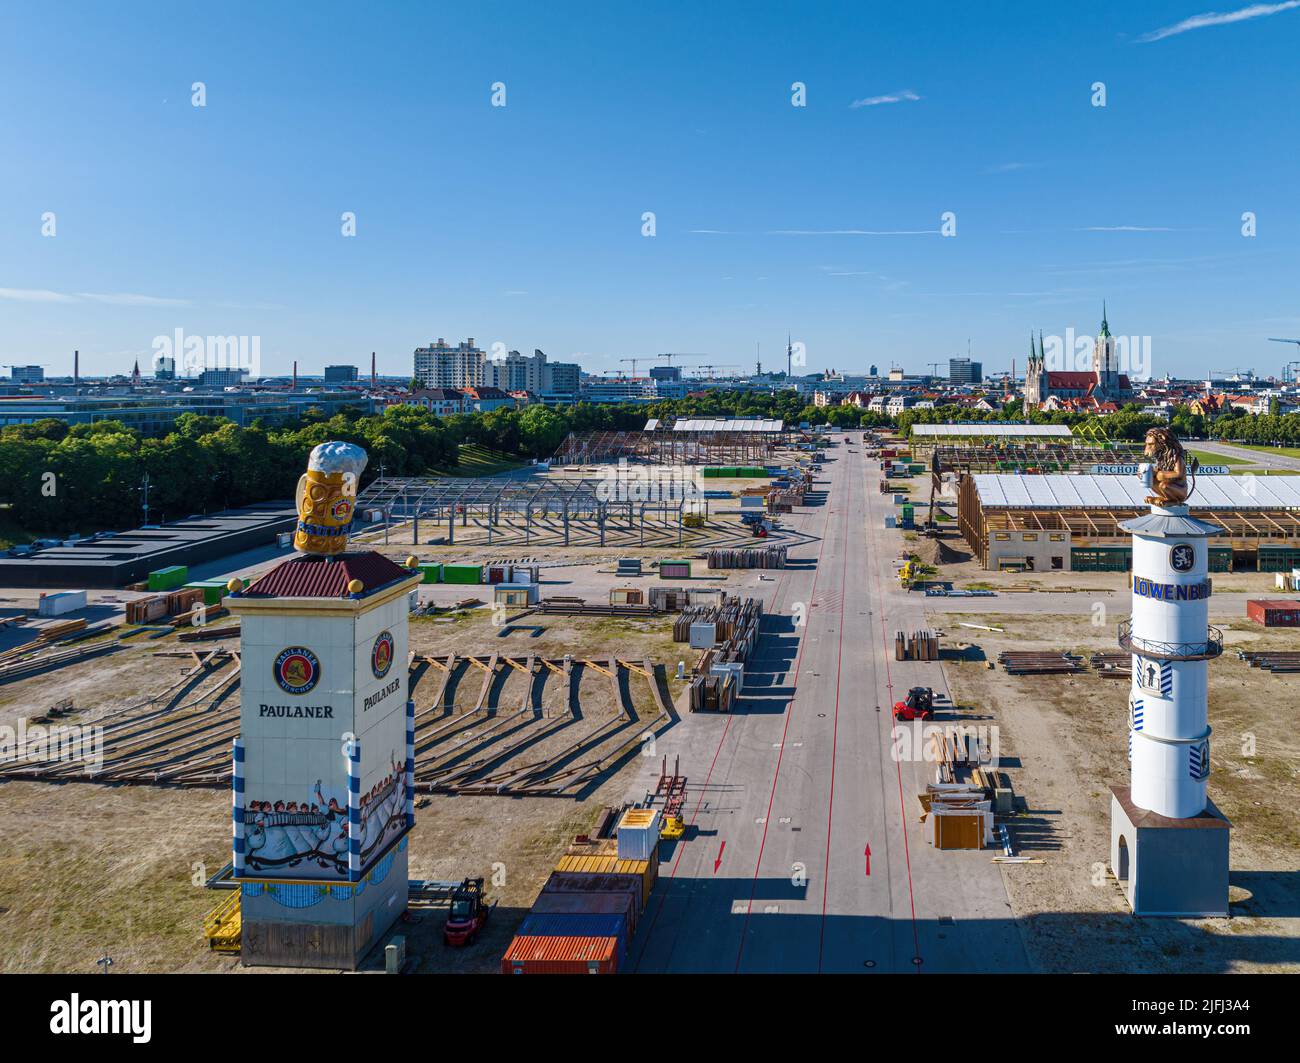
{"points": [[27, 374], [562, 381], [964, 371], [517, 372], [164, 367], [441, 365], [340, 374]]}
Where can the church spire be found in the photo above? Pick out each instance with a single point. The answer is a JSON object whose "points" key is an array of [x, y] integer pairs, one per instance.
{"points": [[1105, 328]]}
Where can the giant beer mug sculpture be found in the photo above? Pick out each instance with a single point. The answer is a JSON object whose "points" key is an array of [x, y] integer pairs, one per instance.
{"points": [[327, 498]]}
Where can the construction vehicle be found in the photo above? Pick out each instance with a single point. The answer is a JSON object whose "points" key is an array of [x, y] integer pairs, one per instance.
{"points": [[918, 705], [467, 914], [907, 573]]}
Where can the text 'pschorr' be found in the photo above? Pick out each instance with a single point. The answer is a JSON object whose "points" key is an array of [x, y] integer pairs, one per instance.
{"points": [[102, 1017]]}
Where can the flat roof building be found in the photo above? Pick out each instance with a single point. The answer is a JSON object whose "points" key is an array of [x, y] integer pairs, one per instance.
{"points": [[1072, 522]]}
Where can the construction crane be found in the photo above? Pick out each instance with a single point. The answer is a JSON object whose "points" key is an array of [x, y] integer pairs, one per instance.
{"points": [[711, 368], [670, 355], [633, 361]]}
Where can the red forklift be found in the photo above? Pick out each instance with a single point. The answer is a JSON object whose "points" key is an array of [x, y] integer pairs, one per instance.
{"points": [[467, 915], [918, 705]]}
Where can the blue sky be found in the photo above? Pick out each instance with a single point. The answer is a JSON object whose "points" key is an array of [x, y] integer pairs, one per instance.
{"points": [[521, 225]]}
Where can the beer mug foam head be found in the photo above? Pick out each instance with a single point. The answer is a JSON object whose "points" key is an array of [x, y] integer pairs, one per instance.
{"points": [[326, 498]]}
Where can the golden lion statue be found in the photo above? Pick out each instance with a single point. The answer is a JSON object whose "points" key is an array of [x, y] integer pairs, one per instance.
{"points": [[1168, 461]]}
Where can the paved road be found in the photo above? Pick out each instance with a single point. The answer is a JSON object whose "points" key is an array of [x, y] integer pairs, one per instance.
{"points": [[1266, 458], [787, 793]]}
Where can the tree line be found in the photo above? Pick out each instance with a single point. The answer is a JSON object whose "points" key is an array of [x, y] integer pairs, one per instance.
{"points": [[57, 479]]}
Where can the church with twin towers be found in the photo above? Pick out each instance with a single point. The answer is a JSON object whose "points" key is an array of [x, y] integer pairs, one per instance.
{"points": [[1101, 389]]}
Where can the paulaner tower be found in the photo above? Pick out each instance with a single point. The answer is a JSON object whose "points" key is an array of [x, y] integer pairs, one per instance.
{"points": [[1169, 844], [324, 763]]}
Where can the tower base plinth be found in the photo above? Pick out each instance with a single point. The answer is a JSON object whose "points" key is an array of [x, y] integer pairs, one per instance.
{"points": [[1169, 867]]}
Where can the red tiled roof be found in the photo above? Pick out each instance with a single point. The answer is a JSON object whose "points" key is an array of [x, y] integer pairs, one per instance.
{"points": [[1070, 380], [324, 577]]}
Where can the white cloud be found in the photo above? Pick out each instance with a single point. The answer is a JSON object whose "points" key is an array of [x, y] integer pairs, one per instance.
{"points": [[904, 96], [130, 299], [1214, 18], [851, 232], [44, 295], [34, 295]]}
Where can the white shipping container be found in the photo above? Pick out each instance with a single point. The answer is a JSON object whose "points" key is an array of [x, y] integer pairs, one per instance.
{"points": [[638, 834], [61, 602]]}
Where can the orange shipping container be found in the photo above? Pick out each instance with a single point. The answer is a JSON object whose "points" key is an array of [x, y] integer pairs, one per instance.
{"points": [[561, 955]]}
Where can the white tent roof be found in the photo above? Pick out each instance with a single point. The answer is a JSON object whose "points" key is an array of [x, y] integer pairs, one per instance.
{"points": [[994, 428], [722, 424], [1064, 491]]}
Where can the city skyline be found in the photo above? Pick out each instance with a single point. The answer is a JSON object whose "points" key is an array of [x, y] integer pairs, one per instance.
{"points": [[521, 225]]}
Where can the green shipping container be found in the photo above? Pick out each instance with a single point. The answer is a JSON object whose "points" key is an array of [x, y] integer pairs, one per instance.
{"points": [[462, 573], [432, 572], [1220, 558], [168, 579], [213, 590], [674, 570]]}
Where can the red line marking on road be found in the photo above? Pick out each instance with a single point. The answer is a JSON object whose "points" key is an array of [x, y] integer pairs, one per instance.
{"points": [[776, 775], [717, 863], [835, 728], [681, 849], [889, 687]]}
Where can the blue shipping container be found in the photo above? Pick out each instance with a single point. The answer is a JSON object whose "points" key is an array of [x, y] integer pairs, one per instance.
{"points": [[592, 925]]}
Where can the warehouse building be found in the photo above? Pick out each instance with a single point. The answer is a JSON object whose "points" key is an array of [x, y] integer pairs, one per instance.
{"points": [[119, 558], [1061, 522]]}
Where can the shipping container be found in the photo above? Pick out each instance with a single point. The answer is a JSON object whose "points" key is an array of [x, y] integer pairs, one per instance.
{"points": [[620, 902], [462, 574], [61, 602], [1276, 612], [168, 579], [213, 590], [674, 570], [432, 572], [561, 955], [564, 882], [577, 925], [638, 834], [645, 870]]}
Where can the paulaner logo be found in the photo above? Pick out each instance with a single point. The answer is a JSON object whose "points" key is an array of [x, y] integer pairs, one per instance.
{"points": [[132, 1017]]}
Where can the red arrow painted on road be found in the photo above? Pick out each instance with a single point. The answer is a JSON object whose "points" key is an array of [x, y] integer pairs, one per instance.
{"points": [[718, 862], [868, 855]]}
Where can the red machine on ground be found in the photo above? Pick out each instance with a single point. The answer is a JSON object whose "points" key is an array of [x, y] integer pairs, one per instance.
{"points": [[918, 705], [467, 915]]}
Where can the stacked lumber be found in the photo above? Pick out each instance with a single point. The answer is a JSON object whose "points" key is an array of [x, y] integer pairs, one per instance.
{"points": [[53, 632], [1280, 661], [748, 557], [712, 693], [1034, 663], [201, 633], [922, 645], [1112, 665]]}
